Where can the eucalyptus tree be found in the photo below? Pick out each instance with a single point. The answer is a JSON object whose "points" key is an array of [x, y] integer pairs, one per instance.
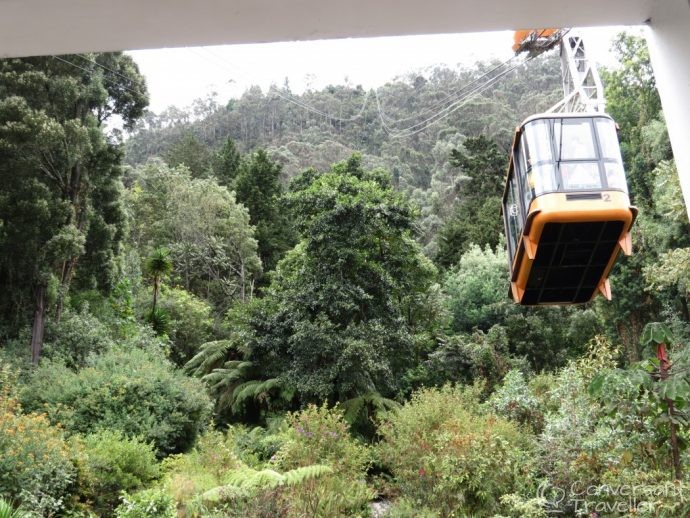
{"points": [[208, 233], [60, 175]]}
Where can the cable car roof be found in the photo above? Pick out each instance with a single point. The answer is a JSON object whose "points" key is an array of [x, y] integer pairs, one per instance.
{"points": [[577, 115]]}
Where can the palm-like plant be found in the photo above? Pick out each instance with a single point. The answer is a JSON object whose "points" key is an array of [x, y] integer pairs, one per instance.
{"points": [[234, 382], [6, 510], [158, 265]]}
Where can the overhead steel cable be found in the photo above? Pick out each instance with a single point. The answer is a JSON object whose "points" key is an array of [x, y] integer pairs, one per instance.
{"points": [[453, 94], [411, 130], [91, 72], [129, 79], [447, 111]]}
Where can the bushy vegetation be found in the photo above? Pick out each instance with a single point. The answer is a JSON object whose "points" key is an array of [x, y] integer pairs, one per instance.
{"points": [[125, 389], [436, 449], [115, 463], [268, 314], [36, 463]]}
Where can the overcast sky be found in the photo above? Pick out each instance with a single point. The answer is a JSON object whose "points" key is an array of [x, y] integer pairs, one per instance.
{"points": [[178, 76]]}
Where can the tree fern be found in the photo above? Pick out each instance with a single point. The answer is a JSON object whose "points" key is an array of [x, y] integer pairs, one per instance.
{"points": [[366, 404], [211, 355], [248, 478], [233, 382], [222, 494], [253, 390], [245, 481]]}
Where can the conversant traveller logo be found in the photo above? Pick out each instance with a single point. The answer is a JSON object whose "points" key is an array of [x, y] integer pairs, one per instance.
{"points": [[603, 500]]}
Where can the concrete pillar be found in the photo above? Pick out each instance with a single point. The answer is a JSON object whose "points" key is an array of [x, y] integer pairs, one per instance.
{"points": [[669, 46]]}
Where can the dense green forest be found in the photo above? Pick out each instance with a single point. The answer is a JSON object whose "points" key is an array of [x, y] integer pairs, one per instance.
{"points": [[297, 305]]}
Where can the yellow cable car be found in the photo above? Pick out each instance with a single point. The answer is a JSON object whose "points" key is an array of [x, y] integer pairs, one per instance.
{"points": [[565, 208]]}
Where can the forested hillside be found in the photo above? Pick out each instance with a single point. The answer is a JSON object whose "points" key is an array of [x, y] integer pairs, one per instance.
{"points": [[297, 305]]}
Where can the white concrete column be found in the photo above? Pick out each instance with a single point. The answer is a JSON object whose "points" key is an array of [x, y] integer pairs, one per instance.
{"points": [[669, 47]]}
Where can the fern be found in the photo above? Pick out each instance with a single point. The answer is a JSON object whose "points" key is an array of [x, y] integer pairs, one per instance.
{"points": [[254, 389], [244, 481], [209, 357], [248, 478], [296, 476], [6, 510], [356, 407], [223, 494], [234, 382]]}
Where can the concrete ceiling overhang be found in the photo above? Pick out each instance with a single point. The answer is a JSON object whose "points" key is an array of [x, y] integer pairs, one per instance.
{"points": [[39, 27]]}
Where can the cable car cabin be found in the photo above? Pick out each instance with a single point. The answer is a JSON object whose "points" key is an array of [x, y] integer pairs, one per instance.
{"points": [[565, 208]]}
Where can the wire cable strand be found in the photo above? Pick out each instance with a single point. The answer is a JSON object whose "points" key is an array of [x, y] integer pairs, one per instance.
{"points": [[91, 72], [447, 111], [456, 91]]}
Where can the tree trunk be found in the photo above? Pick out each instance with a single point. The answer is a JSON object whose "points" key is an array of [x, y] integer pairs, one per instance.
{"points": [[39, 325], [155, 295], [68, 269], [675, 450]]}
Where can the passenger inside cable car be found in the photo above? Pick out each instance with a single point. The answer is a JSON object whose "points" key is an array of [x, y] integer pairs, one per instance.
{"points": [[566, 208]]}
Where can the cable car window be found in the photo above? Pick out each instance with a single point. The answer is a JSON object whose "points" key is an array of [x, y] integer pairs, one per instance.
{"points": [[615, 176], [523, 152], [542, 179], [538, 147], [509, 213], [529, 192], [575, 140], [580, 175], [610, 149], [522, 166]]}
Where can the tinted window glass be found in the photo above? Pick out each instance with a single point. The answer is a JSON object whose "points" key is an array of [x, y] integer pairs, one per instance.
{"points": [[615, 176], [543, 179], [608, 140], [538, 142], [575, 140], [580, 175]]}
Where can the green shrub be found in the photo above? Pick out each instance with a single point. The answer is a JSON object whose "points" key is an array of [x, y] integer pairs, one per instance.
{"points": [[127, 389], [476, 289], [319, 470], [446, 456], [468, 358], [256, 445], [200, 470], [321, 436], [36, 469], [76, 337], [404, 508], [114, 464], [514, 400], [151, 503]]}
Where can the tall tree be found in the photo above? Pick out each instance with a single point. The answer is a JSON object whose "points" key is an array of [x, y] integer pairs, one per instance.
{"points": [[477, 215], [227, 163], [208, 233], [342, 315], [192, 153], [257, 186], [158, 265], [55, 160], [633, 101]]}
